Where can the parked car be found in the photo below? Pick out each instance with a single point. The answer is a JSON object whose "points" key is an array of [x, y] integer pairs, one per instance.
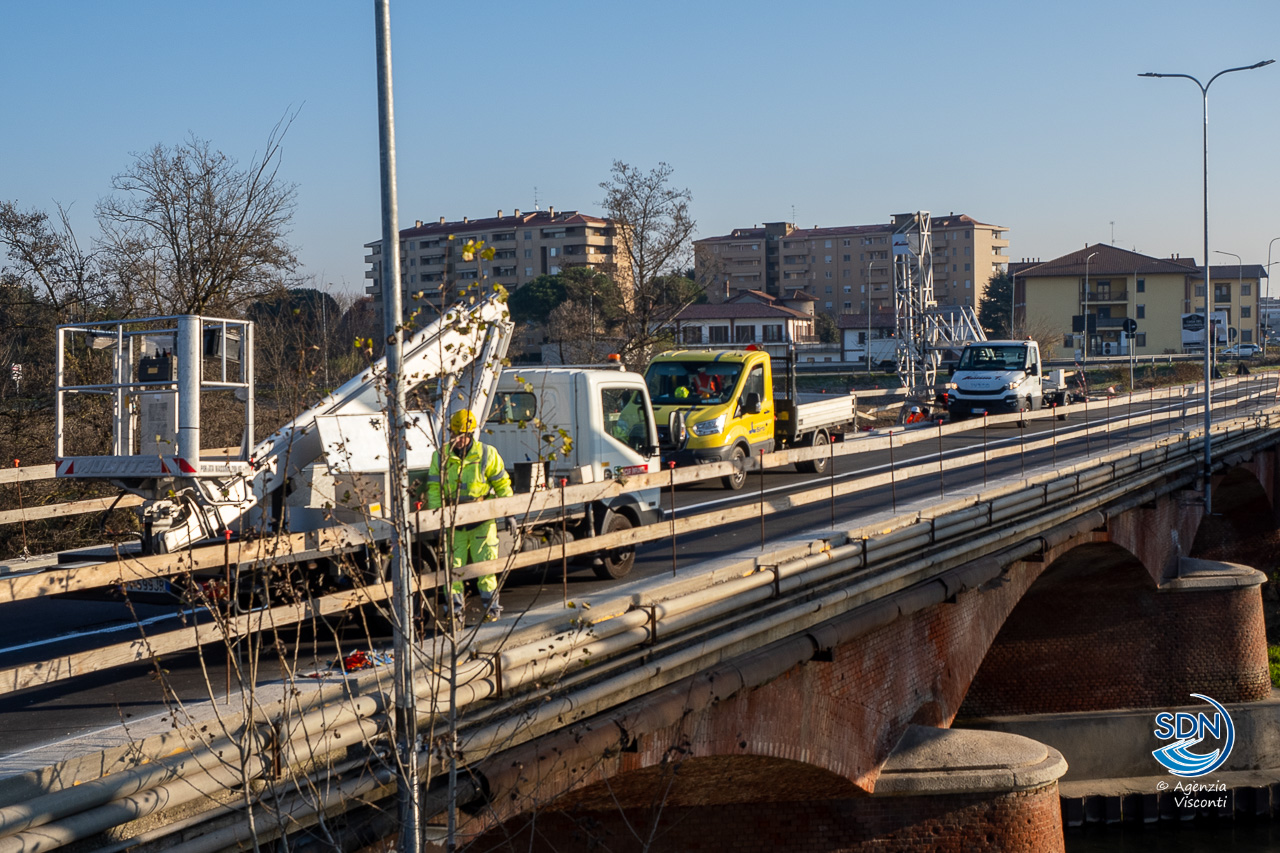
{"points": [[1241, 351]]}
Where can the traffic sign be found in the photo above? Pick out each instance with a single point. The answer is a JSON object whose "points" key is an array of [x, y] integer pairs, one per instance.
{"points": [[1130, 325]]}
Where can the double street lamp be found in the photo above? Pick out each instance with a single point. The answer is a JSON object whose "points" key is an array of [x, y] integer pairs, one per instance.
{"points": [[1084, 351], [1208, 397]]}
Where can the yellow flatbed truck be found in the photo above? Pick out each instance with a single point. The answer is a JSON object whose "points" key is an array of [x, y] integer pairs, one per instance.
{"points": [[724, 406]]}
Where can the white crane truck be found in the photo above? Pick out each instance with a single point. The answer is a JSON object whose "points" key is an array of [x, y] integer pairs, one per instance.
{"points": [[328, 466]]}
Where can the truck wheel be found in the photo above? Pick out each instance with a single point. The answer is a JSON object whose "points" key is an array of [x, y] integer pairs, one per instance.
{"points": [[738, 478], [615, 564], [818, 465]]}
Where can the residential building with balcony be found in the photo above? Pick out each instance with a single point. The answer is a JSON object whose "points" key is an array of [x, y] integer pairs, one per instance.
{"points": [[526, 245], [1087, 305], [848, 268]]}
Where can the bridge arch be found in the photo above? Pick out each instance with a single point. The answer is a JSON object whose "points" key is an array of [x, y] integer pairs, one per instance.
{"points": [[1094, 631]]}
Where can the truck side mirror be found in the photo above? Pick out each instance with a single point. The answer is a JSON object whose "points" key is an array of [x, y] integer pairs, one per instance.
{"points": [[1033, 370], [751, 405]]}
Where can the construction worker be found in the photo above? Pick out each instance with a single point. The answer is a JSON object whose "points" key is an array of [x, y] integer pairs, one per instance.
{"points": [[705, 384], [472, 471]]}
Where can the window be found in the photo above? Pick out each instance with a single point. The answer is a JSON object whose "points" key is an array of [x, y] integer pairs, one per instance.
{"points": [[553, 270], [848, 306], [1246, 311], [1246, 289], [827, 274], [860, 256], [846, 273], [828, 246], [744, 334], [954, 268], [828, 257], [1199, 290], [691, 335], [1141, 339], [848, 288], [552, 252], [1222, 293], [528, 253], [624, 416], [528, 235], [1142, 285], [718, 334], [848, 258], [413, 279], [828, 288], [528, 270], [966, 268], [773, 334], [828, 303], [968, 283], [513, 407], [1142, 312], [846, 243], [1246, 336], [1068, 340]]}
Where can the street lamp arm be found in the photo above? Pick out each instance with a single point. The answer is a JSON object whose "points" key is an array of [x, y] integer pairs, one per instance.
{"points": [[1241, 68]]}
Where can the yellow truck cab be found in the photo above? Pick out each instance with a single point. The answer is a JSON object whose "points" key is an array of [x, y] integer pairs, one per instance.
{"points": [[712, 406]]}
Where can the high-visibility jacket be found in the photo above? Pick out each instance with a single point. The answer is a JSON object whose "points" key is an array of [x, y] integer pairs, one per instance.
{"points": [[474, 477]]}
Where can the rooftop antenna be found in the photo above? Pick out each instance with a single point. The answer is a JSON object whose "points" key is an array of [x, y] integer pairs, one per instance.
{"points": [[1113, 232], [793, 213], [535, 199]]}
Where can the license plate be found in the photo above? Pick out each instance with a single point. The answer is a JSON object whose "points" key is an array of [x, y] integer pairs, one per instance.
{"points": [[159, 585]]}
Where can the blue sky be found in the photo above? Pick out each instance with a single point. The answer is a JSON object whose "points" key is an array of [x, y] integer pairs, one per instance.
{"points": [[1030, 115]]}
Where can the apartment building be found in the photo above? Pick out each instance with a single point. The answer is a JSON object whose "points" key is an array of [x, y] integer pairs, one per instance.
{"points": [[1088, 295], [848, 268], [526, 246]]}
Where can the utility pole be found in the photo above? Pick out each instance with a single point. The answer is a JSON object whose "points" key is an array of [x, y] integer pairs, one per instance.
{"points": [[408, 805]]}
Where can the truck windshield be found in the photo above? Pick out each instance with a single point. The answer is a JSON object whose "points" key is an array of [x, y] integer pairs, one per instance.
{"points": [[1011, 357], [691, 383]]}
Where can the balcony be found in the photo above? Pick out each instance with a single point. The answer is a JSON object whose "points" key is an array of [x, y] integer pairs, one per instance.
{"points": [[1105, 296]]}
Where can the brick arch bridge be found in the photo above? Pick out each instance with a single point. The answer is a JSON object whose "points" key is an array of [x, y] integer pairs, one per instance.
{"points": [[785, 748]]}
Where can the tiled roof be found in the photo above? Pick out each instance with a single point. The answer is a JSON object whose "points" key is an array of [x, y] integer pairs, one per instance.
{"points": [[739, 311], [1250, 271], [950, 220], [1106, 260], [535, 218], [879, 320]]}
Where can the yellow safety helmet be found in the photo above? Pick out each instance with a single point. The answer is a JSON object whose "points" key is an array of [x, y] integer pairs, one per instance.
{"points": [[681, 392], [462, 422]]}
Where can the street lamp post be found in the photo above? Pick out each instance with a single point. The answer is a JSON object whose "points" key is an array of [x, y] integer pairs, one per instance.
{"points": [[1264, 304], [1239, 287], [1208, 394], [1084, 351], [869, 265]]}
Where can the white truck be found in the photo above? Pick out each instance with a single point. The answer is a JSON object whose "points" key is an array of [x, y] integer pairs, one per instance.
{"points": [[997, 377], [328, 466], [581, 425]]}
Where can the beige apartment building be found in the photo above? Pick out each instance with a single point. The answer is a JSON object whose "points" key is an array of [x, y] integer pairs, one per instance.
{"points": [[526, 246], [846, 268], [1116, 285]]}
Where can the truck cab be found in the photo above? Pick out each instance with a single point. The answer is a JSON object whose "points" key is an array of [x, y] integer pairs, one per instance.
{"points": [[581, 425], [996, 377], [712, 406]]}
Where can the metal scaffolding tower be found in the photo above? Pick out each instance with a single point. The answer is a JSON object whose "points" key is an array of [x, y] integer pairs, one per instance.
{"points": [[923, 330]]}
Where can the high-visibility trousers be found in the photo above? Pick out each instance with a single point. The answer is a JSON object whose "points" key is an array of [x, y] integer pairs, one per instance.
{"points": [[473, 544]]}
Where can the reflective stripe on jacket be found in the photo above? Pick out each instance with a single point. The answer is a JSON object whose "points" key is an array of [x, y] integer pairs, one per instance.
{"points": [[474, 477]]}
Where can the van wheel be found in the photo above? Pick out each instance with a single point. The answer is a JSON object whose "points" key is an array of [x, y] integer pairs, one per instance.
{"points": [[616, 563], [819, 464], [738, 478]]}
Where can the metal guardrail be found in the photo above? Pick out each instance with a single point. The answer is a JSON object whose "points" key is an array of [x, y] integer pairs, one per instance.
{"points": [[549, 676]]}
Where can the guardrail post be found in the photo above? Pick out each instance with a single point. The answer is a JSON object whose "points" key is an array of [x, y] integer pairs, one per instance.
{"points": [[942, 487], [1088, 445], [671, 466], [831, 476], [893, 480], [761, 501], [1108, 429], [1053, 435], [1022, 439], [984, 450]]}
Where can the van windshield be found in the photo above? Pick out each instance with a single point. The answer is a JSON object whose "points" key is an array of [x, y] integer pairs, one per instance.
{"points": [[691, 383], [1011, 357]]}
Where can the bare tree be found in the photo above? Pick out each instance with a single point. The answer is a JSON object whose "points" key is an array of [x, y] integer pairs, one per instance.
{"points": [[189, 231], [46, 258], [653, 229]]}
